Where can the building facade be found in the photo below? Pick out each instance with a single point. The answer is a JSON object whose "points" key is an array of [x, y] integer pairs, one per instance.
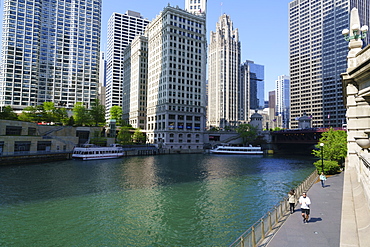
{"points": [[253, 74], [283, 100], [102, 78], [135, 83], [318, 57], [176, 107], [197, 7], [223, 75], [50, 52], [122, 29]]}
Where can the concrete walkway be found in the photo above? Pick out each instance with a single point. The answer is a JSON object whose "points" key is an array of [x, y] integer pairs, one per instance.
{"points": [[324, 226]]}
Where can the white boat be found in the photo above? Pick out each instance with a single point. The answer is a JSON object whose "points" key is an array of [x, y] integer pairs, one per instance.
{"points": [[236, 150], [92, 152]]}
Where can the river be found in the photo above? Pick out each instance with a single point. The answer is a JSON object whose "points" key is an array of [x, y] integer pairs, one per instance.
{"points": [[164, 200]]}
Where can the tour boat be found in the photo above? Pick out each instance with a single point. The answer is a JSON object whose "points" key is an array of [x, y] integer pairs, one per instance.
{"points": [[236, 150], [92, 152]]}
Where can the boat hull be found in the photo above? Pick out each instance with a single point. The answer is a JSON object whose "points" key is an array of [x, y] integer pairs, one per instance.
{"points": [[237, 150], [97, 153], [246, 153]]}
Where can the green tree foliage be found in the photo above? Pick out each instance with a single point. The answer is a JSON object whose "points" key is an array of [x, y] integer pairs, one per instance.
{"points": [[7, 113], [335, 145], [29, 114], [116, 113], [330, 167], [97, 113], [124, 136], [61, 115], [81, 115], [46, 112], [247, 132], [139, 137]]}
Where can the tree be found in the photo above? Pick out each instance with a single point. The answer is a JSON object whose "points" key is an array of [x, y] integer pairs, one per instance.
{"points": [[116, 113], [247, 132], [80, 114], [61, 115], [29, 114], [139, 137], [8, 114], [97, 113], [335, 146], [124, 136]]}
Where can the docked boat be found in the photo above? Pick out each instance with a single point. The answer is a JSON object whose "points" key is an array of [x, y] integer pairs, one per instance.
{"points": [[236, 150], [92, 152]]}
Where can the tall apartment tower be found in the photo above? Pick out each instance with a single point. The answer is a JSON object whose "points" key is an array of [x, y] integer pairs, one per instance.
{"points": [[318, 57], [223, 74], [135, 83], [282, 85], [122, 29], [197, 7], [176, 107], [50, 52]]}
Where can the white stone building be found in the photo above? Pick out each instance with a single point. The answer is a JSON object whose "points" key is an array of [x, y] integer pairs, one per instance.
{"points": [[176, 107], [223, 75], [356, 95], [135, 72]]}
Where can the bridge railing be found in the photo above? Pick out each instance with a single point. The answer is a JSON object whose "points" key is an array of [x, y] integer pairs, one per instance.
{"points": [[259, 230]]}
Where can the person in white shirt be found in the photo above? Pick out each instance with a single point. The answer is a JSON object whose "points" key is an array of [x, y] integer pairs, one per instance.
{"points": [[305, 202], [322, 179]]}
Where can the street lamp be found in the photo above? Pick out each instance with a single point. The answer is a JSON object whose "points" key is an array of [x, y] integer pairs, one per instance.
{"points": [[358, 33], [322, 156]]}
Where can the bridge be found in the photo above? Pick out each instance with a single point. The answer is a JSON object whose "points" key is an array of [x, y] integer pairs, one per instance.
{"points": [[297, 140]]}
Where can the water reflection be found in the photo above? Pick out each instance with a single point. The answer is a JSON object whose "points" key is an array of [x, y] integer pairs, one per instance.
{"points": [[170, 200]]}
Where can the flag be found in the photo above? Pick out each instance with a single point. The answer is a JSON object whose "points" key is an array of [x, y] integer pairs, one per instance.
{"points": [[328, 115]]}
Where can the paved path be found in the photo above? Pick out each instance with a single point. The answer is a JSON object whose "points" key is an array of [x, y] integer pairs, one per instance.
{"points": [[323, 228]]}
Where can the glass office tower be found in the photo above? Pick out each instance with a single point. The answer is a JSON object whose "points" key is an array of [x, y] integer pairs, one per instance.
{"points": [[318, 56]]}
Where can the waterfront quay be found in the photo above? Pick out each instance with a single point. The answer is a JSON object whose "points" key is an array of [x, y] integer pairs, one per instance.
{"points": [[339, 217]]}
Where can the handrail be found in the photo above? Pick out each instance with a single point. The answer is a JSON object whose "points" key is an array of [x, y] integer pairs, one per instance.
{"points": [[257, 232]]}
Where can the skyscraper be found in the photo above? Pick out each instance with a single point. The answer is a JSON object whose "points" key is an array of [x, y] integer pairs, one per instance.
{"points": [[197, 7], [283, 99], [223, 74], [251, 89], [122, 29], [176, 105], [253, 75], [135, 81], [318, 57], [50, 52]]}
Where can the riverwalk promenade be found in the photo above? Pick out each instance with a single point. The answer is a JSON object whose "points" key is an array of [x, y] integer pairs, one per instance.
{"points": [[324, 226]]}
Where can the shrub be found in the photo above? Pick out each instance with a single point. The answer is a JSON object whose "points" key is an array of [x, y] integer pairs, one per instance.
{"points": [[330, 167]]}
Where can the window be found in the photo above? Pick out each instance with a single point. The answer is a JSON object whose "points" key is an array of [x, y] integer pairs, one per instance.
{"points": [[13, 130]]}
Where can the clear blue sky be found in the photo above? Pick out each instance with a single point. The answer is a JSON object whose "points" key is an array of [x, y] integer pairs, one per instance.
{"points": [[262, 24]]}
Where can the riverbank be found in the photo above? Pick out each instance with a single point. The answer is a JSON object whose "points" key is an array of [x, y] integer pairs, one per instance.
{"points": [[37, 157]]}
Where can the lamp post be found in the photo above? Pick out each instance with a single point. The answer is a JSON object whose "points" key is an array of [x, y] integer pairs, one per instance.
{"points": [[322, 156]]}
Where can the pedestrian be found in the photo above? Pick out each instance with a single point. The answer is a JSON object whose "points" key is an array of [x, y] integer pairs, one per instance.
{"points": [[305, 202], [292, 201], [322, 179]]}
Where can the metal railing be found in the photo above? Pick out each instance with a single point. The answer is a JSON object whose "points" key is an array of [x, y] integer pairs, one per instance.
{"points": [[259, 230]]}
